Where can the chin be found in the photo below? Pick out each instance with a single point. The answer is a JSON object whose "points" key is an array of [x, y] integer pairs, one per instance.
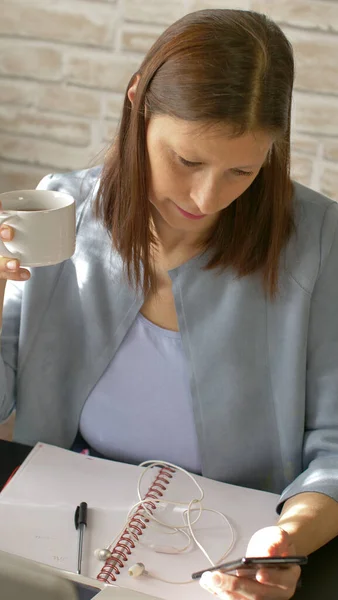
{"points": [[182, 224]]}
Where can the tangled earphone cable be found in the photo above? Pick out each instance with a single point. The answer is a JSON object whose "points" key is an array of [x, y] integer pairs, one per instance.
{"points": [[141, 515]]}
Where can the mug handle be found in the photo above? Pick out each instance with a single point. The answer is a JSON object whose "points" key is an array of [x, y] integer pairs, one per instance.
{"points": [[3, 248]]}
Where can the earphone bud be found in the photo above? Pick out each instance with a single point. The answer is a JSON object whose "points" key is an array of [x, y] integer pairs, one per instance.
{"points": [[137, 570], [134, 571], [142, 512], [102, 554]]}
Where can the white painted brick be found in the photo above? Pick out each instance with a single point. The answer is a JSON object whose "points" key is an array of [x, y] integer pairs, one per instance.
{"points": [[316, 61], [311, 14], [100, 71], [15, 177], [90, 4], [114, 104], [61, 129], [110, 129], [201, 4], [77, 23], [68, 100], [71, 79], [329, 182], [330, 149], [153, 11], [30, 60], [17, 92], [304, 144], [135, 39], [301, 168], [316, 114], [51, 155]]}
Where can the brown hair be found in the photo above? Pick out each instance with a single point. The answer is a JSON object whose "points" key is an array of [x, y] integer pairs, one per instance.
{"points": [[212, 66]]}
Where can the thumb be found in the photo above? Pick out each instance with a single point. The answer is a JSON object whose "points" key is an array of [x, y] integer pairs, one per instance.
{"points": [[270, 541]]}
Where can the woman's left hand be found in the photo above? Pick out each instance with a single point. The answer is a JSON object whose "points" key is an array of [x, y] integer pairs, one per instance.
{"points": [[270, 583]]}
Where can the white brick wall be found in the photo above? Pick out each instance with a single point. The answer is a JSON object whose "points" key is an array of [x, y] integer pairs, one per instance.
{"points": [[64, 67]]}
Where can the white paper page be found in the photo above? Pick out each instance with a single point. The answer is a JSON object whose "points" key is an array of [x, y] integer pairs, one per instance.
{"points": [[248, 510], [47, 534], [53, 476]]}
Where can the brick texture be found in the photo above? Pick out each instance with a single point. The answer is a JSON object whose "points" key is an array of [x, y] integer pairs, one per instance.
{"points": [[316, 61], [153, 11], [64, 67], [331, 150], [114, 106], [316, 114], [30, 60], [301, 168], [100, 71], [50, 127], [138, 39], [14, 177], [304, 144], [322, 16], [69, 100], [79, 23], [17, 93], [330, 182], [201, 4], [49, 154]]}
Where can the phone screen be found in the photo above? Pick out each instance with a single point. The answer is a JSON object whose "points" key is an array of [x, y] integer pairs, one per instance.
{"points": [[252, 564]]}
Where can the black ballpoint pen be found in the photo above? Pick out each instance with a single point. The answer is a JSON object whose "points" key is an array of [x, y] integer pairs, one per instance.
{"points": [[80, 519]]}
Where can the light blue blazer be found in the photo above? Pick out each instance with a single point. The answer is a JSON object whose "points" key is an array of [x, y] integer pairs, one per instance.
{"points": [[264, 375]]}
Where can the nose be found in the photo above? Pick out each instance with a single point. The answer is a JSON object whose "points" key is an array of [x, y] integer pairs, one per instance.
{"points": [[208, 195]]}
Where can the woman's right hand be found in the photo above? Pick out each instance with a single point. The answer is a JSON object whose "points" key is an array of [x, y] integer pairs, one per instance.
{"points": [[10, 267]]}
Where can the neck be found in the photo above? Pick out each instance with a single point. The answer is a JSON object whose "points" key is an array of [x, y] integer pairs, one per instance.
{"points": [[172, 241]]}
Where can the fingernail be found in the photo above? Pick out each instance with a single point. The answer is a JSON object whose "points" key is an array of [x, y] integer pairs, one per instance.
{"points": [[12, 265], [5, 233], [24, 275], [211, 579]]}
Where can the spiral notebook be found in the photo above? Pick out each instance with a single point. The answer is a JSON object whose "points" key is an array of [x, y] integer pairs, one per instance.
{"points": [[37, 519]]}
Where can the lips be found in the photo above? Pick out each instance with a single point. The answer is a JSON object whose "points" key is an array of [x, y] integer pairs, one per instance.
{"points": [[188, 215]]}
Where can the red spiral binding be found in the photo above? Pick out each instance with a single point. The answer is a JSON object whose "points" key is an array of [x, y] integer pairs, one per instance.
{"points": [[137, 523]]}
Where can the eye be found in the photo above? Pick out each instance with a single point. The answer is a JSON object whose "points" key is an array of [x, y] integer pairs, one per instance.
{"points": [[187, 163], [240, 172]]}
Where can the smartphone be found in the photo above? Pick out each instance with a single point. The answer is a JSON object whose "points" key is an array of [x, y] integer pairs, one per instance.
{"points": [[253, 564]]}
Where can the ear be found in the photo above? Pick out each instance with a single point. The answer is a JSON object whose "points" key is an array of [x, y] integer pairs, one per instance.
{"points": [[133, 88]]}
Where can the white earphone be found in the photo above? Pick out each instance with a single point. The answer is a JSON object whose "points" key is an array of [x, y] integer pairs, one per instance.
{"points": [[137, 570], [143, 509], [102, 554]]}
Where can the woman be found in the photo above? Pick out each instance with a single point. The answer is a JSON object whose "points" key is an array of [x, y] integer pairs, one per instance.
{"points": [[196, 321]]}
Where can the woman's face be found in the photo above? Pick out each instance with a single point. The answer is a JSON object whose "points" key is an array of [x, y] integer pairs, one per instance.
{"points": [[196, 172]]}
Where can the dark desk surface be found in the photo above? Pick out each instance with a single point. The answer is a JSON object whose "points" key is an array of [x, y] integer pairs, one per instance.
{"points": [[11, 456], [320, 576]]}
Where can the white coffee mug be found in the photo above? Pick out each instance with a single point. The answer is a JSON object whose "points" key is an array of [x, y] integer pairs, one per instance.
{"points": [[44, 226]]}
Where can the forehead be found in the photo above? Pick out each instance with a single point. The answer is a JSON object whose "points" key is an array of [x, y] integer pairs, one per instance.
{"points": [[205, 140]]}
